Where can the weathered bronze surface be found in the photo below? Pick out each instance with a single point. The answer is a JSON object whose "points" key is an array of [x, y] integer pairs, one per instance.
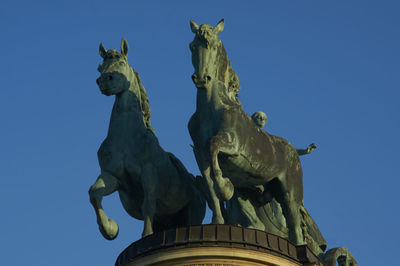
{"points": [[231, 151], [260, 119], [250, 178], [153, 185]]}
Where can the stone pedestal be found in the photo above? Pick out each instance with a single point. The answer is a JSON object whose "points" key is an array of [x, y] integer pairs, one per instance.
{"points": [[215, 245]]}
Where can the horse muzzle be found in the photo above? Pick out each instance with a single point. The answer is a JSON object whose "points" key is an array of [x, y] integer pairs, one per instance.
{"points": [[201, 83]]}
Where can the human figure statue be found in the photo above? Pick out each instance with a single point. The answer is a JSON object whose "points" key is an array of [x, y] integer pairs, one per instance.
{"points": [[264, 212], [260, 119], [271, 213]]}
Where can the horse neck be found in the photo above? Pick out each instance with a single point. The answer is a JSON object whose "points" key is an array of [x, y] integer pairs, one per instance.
{"points": [[216, 96], [126, 103], [127, 113], [210, 99]]}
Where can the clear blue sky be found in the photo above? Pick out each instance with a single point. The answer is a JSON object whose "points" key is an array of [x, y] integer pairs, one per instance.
{"points": [[324, 72]]}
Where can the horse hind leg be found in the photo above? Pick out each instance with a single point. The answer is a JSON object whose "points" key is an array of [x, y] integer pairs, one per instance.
{"points": [[150, 185], [291, 211], [223, 142], [105, 185]]}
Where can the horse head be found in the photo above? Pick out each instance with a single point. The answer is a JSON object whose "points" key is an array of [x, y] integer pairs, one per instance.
{"points": [[117, 76], [208, 54], [115, 72], [210, 60]]}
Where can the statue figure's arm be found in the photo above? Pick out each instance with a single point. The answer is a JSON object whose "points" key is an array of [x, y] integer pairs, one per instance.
{"points": [[309, 149]]}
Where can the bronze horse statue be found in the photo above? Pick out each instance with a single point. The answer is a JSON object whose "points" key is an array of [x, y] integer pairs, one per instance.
{"points": [[231, 151], [153, 185]]}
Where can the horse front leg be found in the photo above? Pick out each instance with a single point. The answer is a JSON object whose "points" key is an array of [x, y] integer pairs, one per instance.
{"points": [[223, 142], [209, 187], [150, 185], [105, 185]]}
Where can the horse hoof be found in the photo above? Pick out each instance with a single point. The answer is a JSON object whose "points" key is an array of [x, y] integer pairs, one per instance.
{"points": [[217, 220], [109, 231], [227, 190], [144, 234]]}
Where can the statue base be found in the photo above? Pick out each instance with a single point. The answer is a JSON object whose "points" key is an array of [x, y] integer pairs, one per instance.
{"points": [[215, 245]]}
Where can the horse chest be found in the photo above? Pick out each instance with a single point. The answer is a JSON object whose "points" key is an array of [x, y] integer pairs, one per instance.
{"points": [[121, 143], [208, 126], [110, 156], [122, 124], [117, 155]]}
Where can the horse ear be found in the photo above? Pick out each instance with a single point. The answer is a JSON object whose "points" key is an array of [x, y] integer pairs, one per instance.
{"points": [[102, 51], [193, 26], [220, 26], [124, 47]]}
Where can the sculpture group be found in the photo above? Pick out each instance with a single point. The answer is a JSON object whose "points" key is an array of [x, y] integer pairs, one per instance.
{"points": [[248, 177]]}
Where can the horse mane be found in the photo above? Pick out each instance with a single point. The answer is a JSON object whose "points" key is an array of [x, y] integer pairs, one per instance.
{"points": [[144, 102], [233, 84], [233, 79]]}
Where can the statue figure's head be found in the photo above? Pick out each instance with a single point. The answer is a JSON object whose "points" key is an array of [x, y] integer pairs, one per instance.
{"points": [[115, 71], [259, 118]]}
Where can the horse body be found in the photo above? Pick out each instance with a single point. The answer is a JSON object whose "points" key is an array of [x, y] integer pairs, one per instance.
{"points": [[245, 167], [230, 150], [153, 185], [259, 169], [128, 147]]}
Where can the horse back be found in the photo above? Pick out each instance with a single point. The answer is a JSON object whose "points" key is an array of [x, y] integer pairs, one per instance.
{"points": [[253, 142], [259, 154]]}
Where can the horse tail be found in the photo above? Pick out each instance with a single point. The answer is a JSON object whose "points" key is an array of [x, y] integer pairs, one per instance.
{"points": [[312, 234], [271, 216]]}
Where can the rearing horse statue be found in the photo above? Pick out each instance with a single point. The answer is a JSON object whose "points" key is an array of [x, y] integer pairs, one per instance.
{"points": [[231, 151], [153, 185]]}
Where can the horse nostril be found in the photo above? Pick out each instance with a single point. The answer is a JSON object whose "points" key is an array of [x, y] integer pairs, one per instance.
{"points": [[110, 77], [208, 78], [194, 77]]}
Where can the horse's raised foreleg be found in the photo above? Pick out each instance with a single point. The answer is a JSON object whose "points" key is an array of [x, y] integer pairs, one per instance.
{"points": [[105, 185], [209, 188], [223, 142], [149, 184]]}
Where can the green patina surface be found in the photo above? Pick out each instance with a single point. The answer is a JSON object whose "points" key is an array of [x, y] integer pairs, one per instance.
{"points": [[153, 185], [258, 174], [248, 177]]}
